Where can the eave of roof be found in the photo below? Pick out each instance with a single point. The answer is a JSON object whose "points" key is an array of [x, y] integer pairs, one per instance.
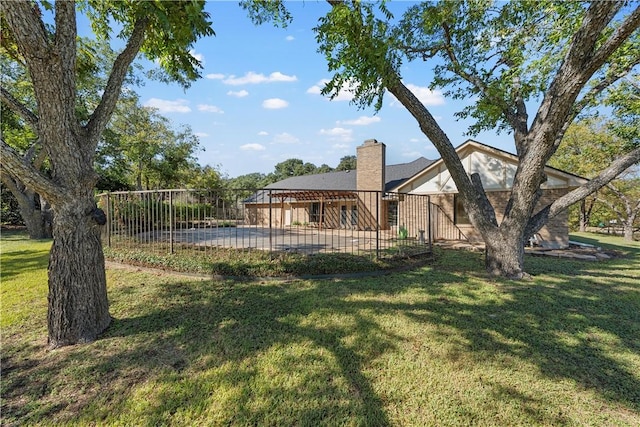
{"points": [[484, 147]]}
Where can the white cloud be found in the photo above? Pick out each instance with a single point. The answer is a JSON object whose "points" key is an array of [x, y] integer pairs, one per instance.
{"points": [[215, 76], [285, 138], [338, 134], [360, 121], [345, 94], [255, 78], [167, 106], [239, 94], [209, 108], [289, 38], [274, 103], [253, 147], [424, 94], [263, 133], [316, 88], [340, 146], [198, 56], [201, 134]]}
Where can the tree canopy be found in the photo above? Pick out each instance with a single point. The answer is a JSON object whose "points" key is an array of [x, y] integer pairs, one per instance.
{"points": [[44, 36], [504, 57]]}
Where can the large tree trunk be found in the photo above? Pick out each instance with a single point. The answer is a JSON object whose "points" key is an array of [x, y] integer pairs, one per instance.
{"points": [[78, 305], [584, 219], [628, 232], [504, 254], [35, 219], [38, 220], [628, 228], [34, 222]]}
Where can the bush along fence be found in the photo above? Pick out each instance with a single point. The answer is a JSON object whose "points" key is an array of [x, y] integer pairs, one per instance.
{"points": [[367, 223]]}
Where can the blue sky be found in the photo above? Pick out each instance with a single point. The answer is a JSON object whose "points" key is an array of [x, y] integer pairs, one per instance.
{"points": [[258, 102]]}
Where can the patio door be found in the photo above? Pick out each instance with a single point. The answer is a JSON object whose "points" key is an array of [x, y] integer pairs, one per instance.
{"points": [[287, 215]]}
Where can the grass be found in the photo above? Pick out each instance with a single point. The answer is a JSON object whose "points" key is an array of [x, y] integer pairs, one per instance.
{"points": [[252, 263], [439, 345]]}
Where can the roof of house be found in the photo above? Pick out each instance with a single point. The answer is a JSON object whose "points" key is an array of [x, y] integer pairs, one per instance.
{"points": [[346, 180], [395, 175]]}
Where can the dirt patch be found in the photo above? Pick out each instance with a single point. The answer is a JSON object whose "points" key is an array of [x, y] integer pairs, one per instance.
{"points": [[574, 251], [577, 251]]}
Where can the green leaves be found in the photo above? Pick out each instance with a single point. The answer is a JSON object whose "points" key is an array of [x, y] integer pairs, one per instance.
{"points": [[263, 11], [499, 54], [625, 102], [172, 27], [358, 47]]}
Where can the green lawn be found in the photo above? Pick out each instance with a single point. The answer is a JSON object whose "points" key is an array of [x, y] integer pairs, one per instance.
{"points": [[439, 345]]}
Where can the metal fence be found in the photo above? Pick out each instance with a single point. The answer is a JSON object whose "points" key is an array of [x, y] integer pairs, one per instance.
{"points": [[369, 223]]}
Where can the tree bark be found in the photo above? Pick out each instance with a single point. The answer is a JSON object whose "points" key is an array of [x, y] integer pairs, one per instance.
{"points": [[504, 254], [35, 219], [628, 231], [584, 220], [78, 305]]}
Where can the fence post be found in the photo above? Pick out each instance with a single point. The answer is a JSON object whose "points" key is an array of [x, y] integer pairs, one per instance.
{"points": [[270, 224], [170, 221], [430, 237], [378, 196], [108, 207]]}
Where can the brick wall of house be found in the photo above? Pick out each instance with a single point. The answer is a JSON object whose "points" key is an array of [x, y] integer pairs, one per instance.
{"points": [[555, 233], [413, 215]]}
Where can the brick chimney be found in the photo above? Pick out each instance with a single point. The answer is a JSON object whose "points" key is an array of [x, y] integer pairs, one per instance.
{"points": [[370, 182], [371, 165]]}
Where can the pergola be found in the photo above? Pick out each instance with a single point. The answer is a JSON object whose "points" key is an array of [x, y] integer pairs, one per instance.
{"points": [[320, 196]]}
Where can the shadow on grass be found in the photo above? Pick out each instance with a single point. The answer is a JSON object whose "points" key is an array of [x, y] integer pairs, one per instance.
{"points": [[297, 352], [23, 261]]}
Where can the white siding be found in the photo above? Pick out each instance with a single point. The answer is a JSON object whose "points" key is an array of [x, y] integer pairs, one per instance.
{"points": [[496, 171]]}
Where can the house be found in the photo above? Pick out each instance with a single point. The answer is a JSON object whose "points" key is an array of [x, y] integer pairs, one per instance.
{"points": [[413, 196]]}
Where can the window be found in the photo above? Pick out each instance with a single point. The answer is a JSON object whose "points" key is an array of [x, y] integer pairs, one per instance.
{"points": [[392, 213], [344, 216], [314, 212], [460, 215]]}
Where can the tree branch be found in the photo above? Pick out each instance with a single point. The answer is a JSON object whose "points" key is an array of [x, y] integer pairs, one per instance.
{"points": [[618, 166], [576, 69], [19, 108], [14, 165], [480, 210], [35, 158], [24, 19], [480, 85], [620, 35], [612, 207], [101, 115], [66, 52], [12, 184], [592, 94]]}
